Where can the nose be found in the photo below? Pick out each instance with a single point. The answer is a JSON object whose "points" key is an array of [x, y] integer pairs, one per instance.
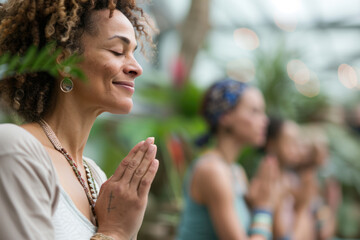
{"points": [[133, 68]]}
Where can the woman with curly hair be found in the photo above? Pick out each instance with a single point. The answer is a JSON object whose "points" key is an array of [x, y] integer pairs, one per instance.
{"points": [[48, 189]]}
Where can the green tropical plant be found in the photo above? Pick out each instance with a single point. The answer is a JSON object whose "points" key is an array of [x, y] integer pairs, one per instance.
{"points": [[40, 60]]}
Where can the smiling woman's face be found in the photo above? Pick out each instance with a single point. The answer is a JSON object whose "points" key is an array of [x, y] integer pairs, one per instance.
{"points": [[109, 64]]}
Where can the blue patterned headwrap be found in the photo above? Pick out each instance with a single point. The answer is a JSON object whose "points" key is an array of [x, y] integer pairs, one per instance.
{"points": [[221, 97]]}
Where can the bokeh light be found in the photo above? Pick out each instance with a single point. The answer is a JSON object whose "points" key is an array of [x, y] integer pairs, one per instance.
{"points": [[357, 70], [347, 76], [311, 88], [246, 39], [298, 71], [242, 70], [286, 13], [284, 25]]}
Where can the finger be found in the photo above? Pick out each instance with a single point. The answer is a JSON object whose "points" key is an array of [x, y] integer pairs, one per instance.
{"points": [[152, 140], [263, 168], [274, 170], [269, 167], [132, 163], [143, 167], [122, 166], [145, 183]]}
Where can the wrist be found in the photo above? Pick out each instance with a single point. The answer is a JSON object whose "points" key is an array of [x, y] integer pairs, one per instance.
{"points": [[263, 210], [112, 235], [262, 223], [101, 236], [265, 207]]}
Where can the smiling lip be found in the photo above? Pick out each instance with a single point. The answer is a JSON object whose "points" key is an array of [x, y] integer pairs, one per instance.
{"points": [[126, 84]]}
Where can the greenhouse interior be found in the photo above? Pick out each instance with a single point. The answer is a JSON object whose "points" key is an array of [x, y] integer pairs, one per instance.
{"points": [[303, 56]]}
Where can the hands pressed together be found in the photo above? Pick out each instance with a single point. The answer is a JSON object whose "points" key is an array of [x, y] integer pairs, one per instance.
{"points": [[123, 197], [265, 187]]}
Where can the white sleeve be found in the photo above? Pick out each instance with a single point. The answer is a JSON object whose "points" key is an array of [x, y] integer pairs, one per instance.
{"points": [[28, 186]]}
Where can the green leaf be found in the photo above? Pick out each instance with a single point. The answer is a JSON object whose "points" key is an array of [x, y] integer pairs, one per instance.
{"points": [[53, 71], [52, 60], [77, 73], [41, 58], [4, 58], [28, 59], [71, 60], [14, 61]]}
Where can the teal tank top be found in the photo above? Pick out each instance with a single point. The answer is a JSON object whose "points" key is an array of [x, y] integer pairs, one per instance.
{"points": [[195, 221]]}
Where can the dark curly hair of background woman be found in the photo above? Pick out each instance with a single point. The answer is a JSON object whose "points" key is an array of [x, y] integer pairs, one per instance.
{"points": [[25, 23]]}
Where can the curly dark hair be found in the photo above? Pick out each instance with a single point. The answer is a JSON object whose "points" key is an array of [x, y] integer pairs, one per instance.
{"points": [[274, 128], [38, 22]]}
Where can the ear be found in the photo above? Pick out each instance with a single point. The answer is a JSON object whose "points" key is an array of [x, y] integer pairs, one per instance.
{"points": [[62, 56], [59, 59]]}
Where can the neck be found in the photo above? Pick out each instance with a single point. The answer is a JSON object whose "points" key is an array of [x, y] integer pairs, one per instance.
{"points": [[228, 147], [71, 124]]}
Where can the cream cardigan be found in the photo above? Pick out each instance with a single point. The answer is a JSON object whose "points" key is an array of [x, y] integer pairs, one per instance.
{"points": [[33, 205]]}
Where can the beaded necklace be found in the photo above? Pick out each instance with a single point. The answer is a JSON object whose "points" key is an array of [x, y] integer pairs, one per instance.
{"points": [[92, 194]]}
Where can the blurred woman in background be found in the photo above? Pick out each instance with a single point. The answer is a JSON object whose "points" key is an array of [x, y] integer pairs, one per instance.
{"points": [[300, 213], [323, 192], [215, 186], [283, 141]]}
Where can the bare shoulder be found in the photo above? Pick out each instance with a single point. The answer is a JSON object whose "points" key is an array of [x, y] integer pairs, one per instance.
{"points": [[212, 179], [210, 166]]}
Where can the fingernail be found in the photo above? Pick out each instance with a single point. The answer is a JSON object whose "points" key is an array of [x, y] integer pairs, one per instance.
{"points": [[156, 162], [151, 139]]}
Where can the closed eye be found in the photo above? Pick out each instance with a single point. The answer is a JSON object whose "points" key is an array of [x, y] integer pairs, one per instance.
{"points": [[116, 53]]}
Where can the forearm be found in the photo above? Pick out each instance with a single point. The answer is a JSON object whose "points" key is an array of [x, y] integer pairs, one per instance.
{"points": [[303, 226], [257, 237], [326, 225]]}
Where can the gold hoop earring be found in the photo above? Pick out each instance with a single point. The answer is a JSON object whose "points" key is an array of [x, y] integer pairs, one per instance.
{"points": [[66, 85]]}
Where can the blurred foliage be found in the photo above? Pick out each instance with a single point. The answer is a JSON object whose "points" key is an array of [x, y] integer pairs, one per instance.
{"points": [[281, 96], [40, 60]]}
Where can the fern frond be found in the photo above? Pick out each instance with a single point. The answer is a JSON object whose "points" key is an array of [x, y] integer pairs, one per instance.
{"points": [[39, 60]]}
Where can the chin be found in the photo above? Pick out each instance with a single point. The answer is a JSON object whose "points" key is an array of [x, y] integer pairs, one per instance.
{"points": [[123, 108], [259, 142]]}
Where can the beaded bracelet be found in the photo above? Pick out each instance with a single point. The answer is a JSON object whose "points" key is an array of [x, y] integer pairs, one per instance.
{"points": [[262, 223], [100, 236]]}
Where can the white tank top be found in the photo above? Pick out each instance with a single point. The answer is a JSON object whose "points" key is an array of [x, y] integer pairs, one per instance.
{"points": [[68, 221]]}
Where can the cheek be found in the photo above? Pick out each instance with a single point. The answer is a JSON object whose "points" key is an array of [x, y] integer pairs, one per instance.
{"points": [[110, 69], [245, 126], [99, 66], [289, 152]]}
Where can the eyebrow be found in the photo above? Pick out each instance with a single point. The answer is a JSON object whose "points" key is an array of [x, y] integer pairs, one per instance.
{"points": [[123, 39]]}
